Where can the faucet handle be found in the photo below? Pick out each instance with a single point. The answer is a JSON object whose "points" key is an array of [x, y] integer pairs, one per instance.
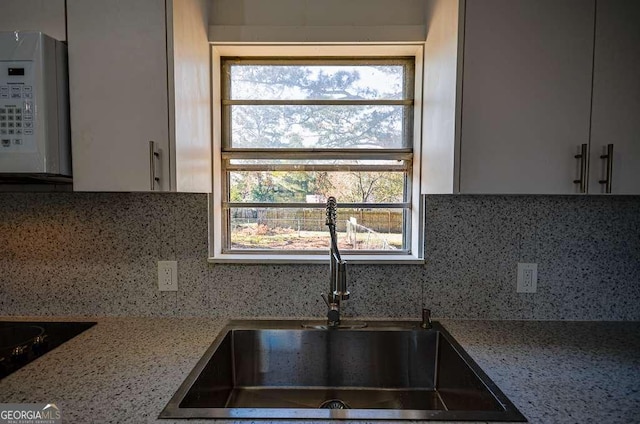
{"points": [[326, 300]]}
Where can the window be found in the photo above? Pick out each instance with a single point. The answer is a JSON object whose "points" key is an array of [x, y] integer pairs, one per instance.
{"points": [[295, 130]]}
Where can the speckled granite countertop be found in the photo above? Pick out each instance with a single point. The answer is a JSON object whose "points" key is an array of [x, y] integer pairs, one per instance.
{"points": [[124, 370]]}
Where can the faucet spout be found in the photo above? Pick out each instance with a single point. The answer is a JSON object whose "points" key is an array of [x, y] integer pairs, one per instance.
{"points": [[337, 268]]}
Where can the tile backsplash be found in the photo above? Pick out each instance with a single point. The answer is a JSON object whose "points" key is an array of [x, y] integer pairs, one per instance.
{"points": [[96, 254]]}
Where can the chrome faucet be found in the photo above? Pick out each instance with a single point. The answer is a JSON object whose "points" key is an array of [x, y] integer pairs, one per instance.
{"points": [[337, 269]]}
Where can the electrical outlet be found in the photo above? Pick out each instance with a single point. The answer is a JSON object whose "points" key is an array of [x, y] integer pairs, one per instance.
{"points": [[168, 275], [527, 281]]}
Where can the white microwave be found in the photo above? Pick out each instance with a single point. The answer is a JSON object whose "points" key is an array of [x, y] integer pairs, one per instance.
{"points": [[34, 107]]}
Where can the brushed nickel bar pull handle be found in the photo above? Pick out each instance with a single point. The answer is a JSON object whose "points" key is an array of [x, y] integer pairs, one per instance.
{"points": [[584, 167], [154, 156], [609, 169]]}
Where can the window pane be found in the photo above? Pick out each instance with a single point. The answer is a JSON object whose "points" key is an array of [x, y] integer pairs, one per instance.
{"points": [[337, 127], [316, 186], [305, 229], [316, 82]]}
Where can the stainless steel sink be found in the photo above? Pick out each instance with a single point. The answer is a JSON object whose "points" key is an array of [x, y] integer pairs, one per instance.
{"points": [[286, 369]]}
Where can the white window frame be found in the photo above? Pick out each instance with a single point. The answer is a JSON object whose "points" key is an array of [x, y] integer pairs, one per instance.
{"points": [[216, 254]]}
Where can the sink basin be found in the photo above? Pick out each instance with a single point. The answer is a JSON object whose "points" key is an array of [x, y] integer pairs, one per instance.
{"points": [[289, 369]]}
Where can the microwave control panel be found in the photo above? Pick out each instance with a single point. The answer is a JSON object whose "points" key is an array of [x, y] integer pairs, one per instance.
{"points": [[34, 107], [17, 107]]}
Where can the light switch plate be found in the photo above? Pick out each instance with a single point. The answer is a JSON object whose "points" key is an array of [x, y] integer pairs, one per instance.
{"points": [[527, 281], [168, 275]]}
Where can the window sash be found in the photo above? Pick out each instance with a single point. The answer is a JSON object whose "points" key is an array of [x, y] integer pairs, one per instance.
{"points": [[379, 154], [407, 101], [407, 190], [407, 125], [407, 62], [227, 206], [226, 235]]}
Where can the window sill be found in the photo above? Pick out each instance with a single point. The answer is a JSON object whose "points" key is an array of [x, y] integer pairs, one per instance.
{"points": [[314, 259]]}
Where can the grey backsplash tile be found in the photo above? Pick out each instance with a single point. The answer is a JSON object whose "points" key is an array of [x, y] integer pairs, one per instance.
{"points": [[96, 254]]}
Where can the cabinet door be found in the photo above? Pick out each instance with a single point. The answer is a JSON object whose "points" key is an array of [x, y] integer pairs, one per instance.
{"points": [[616, 96], [46, 16], [526, 94], [118, 93]]}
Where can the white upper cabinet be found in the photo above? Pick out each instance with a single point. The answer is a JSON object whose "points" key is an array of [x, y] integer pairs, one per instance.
{"points": [[526, 95], [118, 93], [541, 81], [130, 75], [616, 98], [46, 16]]}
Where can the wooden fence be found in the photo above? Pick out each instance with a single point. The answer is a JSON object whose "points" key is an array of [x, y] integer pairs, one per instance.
{"points": [[381, 221]]}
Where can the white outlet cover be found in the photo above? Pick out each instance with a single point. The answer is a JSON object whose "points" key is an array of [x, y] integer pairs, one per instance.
{"points": [[527, 280], [168, 275]]}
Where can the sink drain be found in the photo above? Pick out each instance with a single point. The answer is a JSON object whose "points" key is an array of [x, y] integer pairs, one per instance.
{"points": [[334, 404]]}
